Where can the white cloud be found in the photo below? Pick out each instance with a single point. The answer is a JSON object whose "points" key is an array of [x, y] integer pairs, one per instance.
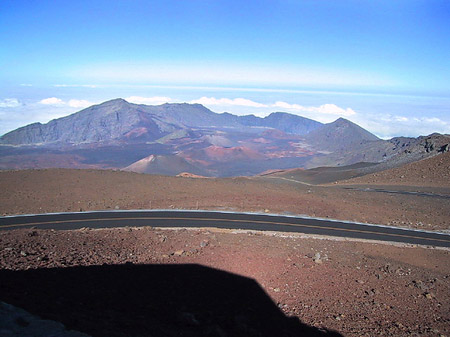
{"points": [[387, 126], [327, 109], [79, 103], [401, 119], [433, 120], [52, 101], [226, 101], [9, 103], [156, 100], [73, 103]]}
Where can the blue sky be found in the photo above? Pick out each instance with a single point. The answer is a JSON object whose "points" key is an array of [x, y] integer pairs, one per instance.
{"points": [[362, 60]]}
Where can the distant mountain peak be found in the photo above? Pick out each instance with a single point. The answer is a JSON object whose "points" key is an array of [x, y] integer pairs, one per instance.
{"points": [[116, 101], [341, 134], [342, 121]]}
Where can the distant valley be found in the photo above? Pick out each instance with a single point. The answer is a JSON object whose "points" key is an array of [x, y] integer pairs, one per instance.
{"points": [[172, 139]]}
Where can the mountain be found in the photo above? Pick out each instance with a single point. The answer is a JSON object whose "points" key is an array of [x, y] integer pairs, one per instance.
{"points": [[118, 120], [339, 135], [175, 138], [282, 121]]}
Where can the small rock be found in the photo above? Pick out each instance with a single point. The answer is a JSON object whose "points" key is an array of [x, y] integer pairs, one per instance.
{"points": [[117, 207], [179, 252], [23, 253], [204, 243], [317, 259], [276, 290], [420, 285], [266, 211], [428, 295]]}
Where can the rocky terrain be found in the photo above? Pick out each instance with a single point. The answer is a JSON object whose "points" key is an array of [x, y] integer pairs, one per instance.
{"points": [[154, 282], [175, 138]]}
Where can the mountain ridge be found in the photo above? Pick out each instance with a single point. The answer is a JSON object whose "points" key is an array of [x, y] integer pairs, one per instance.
{"points": [[180, 137], [114, 118]]}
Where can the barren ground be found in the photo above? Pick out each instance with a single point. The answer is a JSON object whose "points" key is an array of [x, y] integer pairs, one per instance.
{"points": [[353, 288], [61, 190], [434, 171]]}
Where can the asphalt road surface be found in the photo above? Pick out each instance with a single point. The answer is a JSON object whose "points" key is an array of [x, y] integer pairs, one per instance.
{"points": [[262, 222]]}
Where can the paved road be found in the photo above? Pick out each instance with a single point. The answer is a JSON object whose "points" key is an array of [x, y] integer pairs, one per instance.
{"points": [[109, 219]]}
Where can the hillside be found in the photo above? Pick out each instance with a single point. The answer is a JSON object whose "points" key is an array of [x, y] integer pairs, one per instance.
{"points": [[434, 171], [322, 175]]}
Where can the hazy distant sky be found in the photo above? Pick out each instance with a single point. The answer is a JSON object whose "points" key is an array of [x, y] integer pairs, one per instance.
{"points": [[382, 64]]}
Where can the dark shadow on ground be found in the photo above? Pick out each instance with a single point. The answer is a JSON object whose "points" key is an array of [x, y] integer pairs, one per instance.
{"points": [[151, 300]]}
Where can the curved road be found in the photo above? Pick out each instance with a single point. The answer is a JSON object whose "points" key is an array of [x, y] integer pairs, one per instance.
{"points": [[164, 218]]}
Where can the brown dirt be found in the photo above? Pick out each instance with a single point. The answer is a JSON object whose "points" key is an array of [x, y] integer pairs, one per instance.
{"points": [[61, 190], [434, 171], [355, 288]]}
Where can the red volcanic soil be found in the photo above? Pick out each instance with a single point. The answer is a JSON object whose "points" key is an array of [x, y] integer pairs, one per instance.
{"points": [[224, 154], [60, 190], [200, 282]]}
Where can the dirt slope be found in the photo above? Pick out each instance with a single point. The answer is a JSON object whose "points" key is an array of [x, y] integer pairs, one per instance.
{"points": [[434, 171]]}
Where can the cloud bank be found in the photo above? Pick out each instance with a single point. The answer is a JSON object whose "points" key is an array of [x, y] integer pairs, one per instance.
{"points": [[9, 103], [327, 109], [73, 103]]}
